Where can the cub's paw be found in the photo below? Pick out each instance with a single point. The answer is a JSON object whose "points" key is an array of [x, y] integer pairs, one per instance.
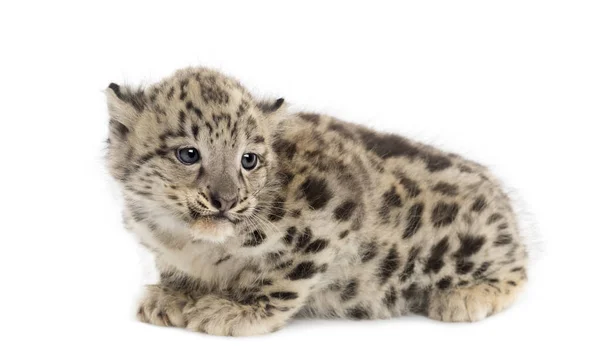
{"points": [[162, 307], [470, 304], [222, 317]]}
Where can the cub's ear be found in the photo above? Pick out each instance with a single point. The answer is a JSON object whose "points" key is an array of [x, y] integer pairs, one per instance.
{"points": [[270, 106], [124, 108]]}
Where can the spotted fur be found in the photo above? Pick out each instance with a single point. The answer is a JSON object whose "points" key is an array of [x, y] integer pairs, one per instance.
{"points": [[336, 220]]}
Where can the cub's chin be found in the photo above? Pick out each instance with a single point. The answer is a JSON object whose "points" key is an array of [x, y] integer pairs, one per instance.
{"points": [[212, 230]]}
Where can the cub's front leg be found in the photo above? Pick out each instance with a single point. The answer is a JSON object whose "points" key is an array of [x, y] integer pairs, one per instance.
{"points": [[163, 303], [163, 306], [261, 303]]}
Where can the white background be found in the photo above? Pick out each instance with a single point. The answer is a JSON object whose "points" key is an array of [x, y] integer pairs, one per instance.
{"points": [[513, 84]]}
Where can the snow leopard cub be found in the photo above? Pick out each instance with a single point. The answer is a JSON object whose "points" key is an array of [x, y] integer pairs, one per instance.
{"points": [[256, 215]]}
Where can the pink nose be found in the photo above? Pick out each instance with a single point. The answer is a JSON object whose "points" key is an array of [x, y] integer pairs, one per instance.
{"points": [[222, 204]]}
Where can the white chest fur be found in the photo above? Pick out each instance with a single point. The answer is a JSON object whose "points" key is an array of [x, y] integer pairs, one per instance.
{"points": [[214, 262]]}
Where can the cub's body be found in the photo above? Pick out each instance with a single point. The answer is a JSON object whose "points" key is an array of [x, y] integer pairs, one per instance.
{"points": [[336, 220]]}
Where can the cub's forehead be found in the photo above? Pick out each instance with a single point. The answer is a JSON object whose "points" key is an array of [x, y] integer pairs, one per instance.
{"points": [[200, 104], [204, 88]]}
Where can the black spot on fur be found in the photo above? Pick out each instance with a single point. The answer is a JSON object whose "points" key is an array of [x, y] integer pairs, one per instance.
{"points": [[387, 145], [316, 192], [284, 148], [443, 214], [137, 214], [493, 218], [436, 258], [303, 271], [391, 198], [410, 292], [391, 145], [469, 245], [358, 313], [316, 246], [503, 239], [389, 265], [171, 93], [242, 108], [350, 290], [480, 204], [265, 282], [409, 268], [344, 233], [341, 129], [146, 157], [212, 93], [284, 295], [275, 256], [390, 298], [304, 238], [411, 186], [465, 169], [437, 162], [222, 259], [367, 251], [199, 175], [179, 281], [444, 283], [482, 269], [195, 130], [413, 220], [284, 265], [463, 267], [310, 117], [344, 211], [118, 129], [446, 188], [285, 178], [256, 238], [277, 211], [417, 298], [357, 223], [198, 113], [222, 117]]}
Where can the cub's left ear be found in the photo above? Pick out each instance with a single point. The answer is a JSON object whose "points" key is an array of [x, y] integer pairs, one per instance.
{"points": [[268, 107]]}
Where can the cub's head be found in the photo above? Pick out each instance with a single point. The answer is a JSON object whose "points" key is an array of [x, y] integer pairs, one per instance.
{"points": [[193, 153]]}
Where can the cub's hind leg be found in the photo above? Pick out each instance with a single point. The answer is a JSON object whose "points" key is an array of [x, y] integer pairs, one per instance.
{"points": [[470, 302]]}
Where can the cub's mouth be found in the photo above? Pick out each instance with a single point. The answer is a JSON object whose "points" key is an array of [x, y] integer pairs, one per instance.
{"points": [[207, 216], [209, 228]]}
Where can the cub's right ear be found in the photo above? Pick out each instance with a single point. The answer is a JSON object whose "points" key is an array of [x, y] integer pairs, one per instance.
{"points": [[268, 107], [124, 108]]}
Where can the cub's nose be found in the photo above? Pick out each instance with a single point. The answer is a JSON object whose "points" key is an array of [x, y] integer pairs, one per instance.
{"points": [[222, 204]]}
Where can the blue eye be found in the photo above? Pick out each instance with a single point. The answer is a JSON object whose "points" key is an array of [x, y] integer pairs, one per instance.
{"points": [[249, 161], [188, 156]]}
